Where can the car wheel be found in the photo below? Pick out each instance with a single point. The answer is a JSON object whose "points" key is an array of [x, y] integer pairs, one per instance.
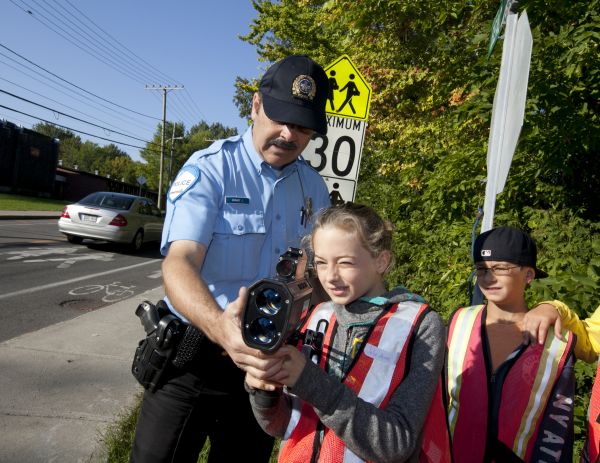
{"points": [[74, 239], [138, 241]]}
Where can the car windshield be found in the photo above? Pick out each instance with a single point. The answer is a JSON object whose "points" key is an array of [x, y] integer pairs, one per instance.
{"points": [[107, 200]]}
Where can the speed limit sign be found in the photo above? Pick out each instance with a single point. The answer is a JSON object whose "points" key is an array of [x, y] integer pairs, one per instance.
{"points": [[336, 156]]}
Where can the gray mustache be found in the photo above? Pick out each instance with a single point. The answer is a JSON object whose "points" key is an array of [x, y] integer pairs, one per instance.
{"points": [[283, 144]]}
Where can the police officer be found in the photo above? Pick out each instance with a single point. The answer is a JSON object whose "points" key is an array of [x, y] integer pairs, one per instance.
{"points": [[232, 210]]}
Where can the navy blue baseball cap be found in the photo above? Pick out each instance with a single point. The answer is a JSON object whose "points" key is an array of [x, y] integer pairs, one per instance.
{"points": [[507, 244], [294, 90]]}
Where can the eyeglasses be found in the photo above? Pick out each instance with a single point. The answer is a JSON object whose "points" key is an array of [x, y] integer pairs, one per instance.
{"points": [[498, 270]]}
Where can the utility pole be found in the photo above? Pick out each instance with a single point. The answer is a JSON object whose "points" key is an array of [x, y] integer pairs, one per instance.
{"points": [[165, 89], [173, 138]]}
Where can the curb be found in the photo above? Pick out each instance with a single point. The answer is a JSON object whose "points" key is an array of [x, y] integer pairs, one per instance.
{"points": [[29, 217], [36, 215]]}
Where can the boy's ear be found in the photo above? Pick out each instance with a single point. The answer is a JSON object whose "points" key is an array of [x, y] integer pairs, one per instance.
{"points": [[383, 261], [529, 275]]}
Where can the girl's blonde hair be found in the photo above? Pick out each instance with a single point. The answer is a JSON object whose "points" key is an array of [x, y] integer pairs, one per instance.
{"points": [[374, 233]]}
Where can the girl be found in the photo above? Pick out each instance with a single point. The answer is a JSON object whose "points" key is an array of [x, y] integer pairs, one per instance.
{"points": [[368, 395]]}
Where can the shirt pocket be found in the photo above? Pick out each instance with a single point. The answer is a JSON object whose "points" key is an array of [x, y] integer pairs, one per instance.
{"points": [[234, 252]]}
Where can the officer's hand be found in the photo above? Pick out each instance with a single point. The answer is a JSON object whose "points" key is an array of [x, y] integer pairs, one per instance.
{"points": [[258, 363], [538, 321]]}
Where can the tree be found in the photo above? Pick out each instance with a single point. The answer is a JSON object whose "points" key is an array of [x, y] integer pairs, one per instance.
{"points": [[198, 137], [424, 159]]}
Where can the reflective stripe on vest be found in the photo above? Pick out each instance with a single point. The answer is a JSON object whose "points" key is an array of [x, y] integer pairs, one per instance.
{"points": [[462, 323], [325, 312], [525, 391], [375, 375]]}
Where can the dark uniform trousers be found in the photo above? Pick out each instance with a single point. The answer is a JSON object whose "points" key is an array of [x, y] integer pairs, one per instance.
{"points": [[207, 399]]}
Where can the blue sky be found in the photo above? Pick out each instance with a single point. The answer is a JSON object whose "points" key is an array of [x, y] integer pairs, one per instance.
{"points": [[192, 43]]}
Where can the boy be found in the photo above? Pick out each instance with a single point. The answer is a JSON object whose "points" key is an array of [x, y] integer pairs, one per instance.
{"points": [[507, 401]]}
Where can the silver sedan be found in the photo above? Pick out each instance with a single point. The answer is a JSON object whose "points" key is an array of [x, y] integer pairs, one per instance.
{"points": [[116, 217]]}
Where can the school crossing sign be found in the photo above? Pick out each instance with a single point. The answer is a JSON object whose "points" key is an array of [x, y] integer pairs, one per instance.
{"points": [[336, 156], [349, 93]]}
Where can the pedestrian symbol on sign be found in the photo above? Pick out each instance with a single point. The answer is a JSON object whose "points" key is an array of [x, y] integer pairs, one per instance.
{"points": [[335, 196], [351, 91], [333, 86]]}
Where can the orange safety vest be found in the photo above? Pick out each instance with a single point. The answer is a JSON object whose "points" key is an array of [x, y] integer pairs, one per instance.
{"points": [[593, 440], [374, 382], [525, 392]]}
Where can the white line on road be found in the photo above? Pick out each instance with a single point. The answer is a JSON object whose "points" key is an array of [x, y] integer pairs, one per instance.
{"points": [[73, 280]]}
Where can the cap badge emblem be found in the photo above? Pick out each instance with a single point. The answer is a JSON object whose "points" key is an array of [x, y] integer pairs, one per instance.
{"points": [[304, 87], [486, 252]]}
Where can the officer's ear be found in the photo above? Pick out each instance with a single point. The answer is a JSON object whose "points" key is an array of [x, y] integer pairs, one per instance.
{"points": [[256, 104]]}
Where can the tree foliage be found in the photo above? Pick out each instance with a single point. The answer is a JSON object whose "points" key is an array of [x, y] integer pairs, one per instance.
{"points": [[111, 161], [87, 156], [181, 145], [424, 159]]}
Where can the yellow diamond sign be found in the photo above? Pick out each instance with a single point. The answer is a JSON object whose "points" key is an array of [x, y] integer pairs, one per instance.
{"points": [[349, 93]]}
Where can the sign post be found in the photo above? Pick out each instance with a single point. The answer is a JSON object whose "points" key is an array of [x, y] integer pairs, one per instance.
{"points": [[336, 156], [499, 21], [141, 181]]}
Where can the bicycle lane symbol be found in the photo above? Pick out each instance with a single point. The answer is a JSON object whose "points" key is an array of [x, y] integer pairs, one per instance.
{"points": [[115, 291]]}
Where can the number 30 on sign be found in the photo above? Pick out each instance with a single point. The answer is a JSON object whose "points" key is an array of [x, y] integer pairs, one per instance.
{"points": [[337, 154]]}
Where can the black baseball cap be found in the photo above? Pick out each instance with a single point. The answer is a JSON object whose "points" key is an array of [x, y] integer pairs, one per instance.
{"points": [[294, 90], [507, 244]]}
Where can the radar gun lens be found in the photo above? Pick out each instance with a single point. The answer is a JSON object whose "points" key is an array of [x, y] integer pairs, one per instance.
{"points": [[269, 301]]}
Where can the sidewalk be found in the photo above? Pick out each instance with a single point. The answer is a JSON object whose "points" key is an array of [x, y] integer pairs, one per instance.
{"points": [[64, 384]]}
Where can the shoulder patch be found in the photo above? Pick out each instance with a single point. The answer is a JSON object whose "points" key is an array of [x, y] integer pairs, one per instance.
{"points": [[186, 178]]}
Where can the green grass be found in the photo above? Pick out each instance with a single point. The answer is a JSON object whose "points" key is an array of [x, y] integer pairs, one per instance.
{"points": [[117, 439], [9, 202]]}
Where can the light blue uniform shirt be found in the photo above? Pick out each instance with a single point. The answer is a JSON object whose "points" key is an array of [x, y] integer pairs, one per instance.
{"points": [[245, 212]]}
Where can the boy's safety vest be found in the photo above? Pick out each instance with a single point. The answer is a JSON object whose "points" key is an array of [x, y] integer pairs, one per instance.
{"points": [[373, 381], [593, 439], [526, 390]]}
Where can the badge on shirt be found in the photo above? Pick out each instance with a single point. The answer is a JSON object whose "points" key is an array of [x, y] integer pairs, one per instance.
{"points": [[186, 179]]}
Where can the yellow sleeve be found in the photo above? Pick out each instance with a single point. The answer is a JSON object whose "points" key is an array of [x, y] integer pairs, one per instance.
{"points": [[592, 327], [587, 331]]}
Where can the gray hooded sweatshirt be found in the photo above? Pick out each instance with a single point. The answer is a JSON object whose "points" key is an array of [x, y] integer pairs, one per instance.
{"points": [[392, 434]]}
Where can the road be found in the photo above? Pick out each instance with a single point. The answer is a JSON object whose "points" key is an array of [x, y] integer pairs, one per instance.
{"points": [[45, 280]]}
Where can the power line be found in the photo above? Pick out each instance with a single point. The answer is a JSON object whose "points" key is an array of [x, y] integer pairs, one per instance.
{"points": [[74, 85], [164, 76], [55, 101], [75, 118], [85, 40], [97, 52], [77, 131], [112, 51], [129, 120], [32, 12]]}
